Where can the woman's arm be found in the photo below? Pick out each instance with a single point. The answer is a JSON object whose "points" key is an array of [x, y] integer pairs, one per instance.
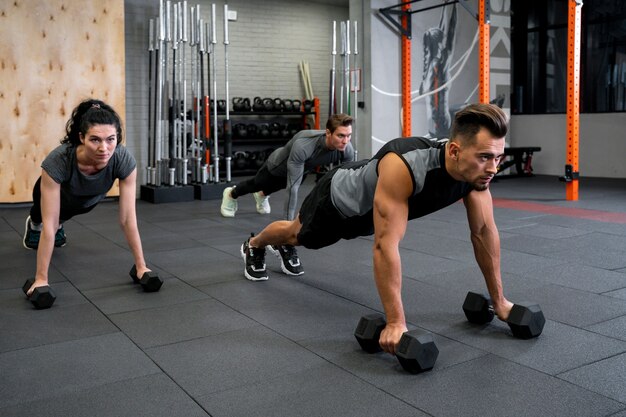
{"points": [[50, 210], [128, 220]]}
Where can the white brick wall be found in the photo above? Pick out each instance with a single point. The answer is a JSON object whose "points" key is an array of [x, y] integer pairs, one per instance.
{"points": [[267, 42]]}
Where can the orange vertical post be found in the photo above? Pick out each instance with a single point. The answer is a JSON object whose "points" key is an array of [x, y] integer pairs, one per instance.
{"points": [[406, 74], [316, 106], [483, 53], [573, 96]]}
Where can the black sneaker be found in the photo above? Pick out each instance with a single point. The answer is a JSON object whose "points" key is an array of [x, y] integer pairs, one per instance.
{"points": [[255, 262], [31, 236], [59, 238], [289, 261]]}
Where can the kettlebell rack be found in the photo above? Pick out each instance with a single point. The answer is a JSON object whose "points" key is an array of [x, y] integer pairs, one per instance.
{"points": [[261, 125]]}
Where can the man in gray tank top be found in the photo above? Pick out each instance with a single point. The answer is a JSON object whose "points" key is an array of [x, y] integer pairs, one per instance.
{"points": [[408, 178], [286, 168]]}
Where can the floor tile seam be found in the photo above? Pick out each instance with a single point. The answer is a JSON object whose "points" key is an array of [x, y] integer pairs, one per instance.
{"points": [[76, 392], [587, 364], [60, 342], [616, 289], [130, 340], [582, 291], [157, 307], [588, 389], [327, 361], [207, 336], [617, 339], [585, 327]]}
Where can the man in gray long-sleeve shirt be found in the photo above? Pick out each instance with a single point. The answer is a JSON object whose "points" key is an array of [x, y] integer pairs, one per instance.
{"points": [[286, 168]]}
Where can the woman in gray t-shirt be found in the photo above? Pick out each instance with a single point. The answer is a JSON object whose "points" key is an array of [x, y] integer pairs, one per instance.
{"points": [[75, 177]]}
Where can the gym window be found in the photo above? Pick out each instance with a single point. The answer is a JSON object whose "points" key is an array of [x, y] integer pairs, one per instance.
{"points": [[539, 58]]}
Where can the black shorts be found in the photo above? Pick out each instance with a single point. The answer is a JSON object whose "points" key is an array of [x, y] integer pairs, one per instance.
{"points": [[322, 224], [65, 212]]}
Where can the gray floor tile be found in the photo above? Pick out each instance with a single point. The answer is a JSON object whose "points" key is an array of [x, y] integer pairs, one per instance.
{"points": [[381, 369], [346, 395], [617, 294], [153, 395], [593, 256], [72, 317], [160, 326], [547, 231], [229, 360], [492, 386], [580, 277], [131, 297], [606, 377], [558, 349], [612, 328], [64, 368], [311, 312], [15, 276], [574, 307]]}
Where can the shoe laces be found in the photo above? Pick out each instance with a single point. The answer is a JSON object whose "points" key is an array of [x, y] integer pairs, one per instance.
{"points": [[290, 251], [257, 255]]}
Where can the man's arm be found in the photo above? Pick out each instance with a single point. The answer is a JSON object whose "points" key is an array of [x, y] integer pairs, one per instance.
{"points": [[295, 172], [391, 210], [486, 242]]}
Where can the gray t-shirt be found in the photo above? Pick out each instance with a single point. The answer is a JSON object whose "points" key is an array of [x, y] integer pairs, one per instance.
{"points": [[302, 154], [77, 189]]}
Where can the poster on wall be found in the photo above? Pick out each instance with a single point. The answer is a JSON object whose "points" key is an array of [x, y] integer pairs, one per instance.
{"points": [[444, 67]]}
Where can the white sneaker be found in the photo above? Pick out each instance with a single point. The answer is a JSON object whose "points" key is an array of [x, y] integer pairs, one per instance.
{"points": [[229, 204], [262, 203]]}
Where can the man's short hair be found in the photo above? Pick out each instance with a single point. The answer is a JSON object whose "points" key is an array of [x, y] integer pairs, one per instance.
{"points": [[469, 120], [337, 120]]}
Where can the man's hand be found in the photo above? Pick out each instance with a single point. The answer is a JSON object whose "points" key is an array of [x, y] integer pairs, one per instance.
{"points": [[390, 337], [503, 309]]}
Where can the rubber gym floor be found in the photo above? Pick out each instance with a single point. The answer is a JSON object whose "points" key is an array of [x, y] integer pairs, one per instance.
{"points": [[213, 343]]}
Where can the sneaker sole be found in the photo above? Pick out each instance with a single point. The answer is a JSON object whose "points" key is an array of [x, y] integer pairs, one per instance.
{"points": [[245, 272], [25, 231], [227, 214], [282, 264]]}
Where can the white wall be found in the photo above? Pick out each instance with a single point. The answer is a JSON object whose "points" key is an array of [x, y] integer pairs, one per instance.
{"points": [[602, 150]]}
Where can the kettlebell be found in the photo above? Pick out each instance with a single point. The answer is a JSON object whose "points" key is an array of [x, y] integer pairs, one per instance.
{"points": [[241, 130], [258, 104], [287, 105], [268, 104]]}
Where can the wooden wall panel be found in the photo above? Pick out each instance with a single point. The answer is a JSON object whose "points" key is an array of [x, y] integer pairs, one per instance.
{"points": [[53, 54]]}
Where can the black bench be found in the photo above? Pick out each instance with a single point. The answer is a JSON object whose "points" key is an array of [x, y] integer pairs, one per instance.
{"points": [[521, 157]]}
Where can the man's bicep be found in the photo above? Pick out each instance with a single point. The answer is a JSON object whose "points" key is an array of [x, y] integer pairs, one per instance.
{"points": [[479, 207], [393, 190]]}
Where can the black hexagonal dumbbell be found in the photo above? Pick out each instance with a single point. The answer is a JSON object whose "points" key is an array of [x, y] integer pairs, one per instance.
{"points": [[150, 281], [416, 351], [41, 297], [525, 320]]}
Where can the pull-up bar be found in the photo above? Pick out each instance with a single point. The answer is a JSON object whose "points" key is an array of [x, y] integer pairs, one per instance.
{"points": [[404, 27], [388, 13]]}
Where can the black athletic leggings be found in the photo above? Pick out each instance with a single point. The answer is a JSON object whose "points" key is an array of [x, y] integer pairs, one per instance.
{"points": [[262, 181], [65, 213]]}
